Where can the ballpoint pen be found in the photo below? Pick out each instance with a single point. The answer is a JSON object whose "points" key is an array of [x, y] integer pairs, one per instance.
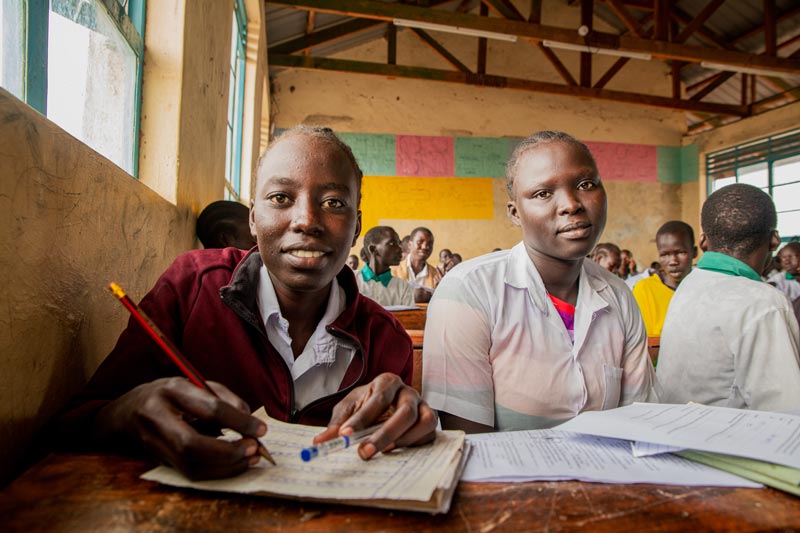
{"points": [[340, 443]]}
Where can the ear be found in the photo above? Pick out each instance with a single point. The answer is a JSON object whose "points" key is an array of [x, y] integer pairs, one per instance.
{"points": [[774, 241], [694, 252], [703, 242], [513, 214], [252, 220], [358, 228]]}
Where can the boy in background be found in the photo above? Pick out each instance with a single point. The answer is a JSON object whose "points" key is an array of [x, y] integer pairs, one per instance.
{"points": [[729, 338], [382, 251], [787, 280], [607, 255], [676, 251]]}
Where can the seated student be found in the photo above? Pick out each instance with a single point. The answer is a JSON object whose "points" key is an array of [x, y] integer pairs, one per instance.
{"points": [[352, 262], [529, 337], [375, 280], [607, 255], [282, 326], [676, 251], [454, 260], [225, 223], [787, 280], [627, 265], [731, 339], [423, 276], [444, 256]]}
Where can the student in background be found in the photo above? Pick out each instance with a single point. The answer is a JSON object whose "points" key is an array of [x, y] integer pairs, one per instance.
{"points": [[375, 280], [627, 265], [423, 276], [444, 256], [731, 339], [676, 251], [282, 326], [225, 223], [607, 255], [352, 262], [787, 280], [405, 246], [530, 337], [454, 260]]}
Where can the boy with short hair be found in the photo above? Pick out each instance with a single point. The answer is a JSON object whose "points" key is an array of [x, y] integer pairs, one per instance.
{"points": [[415, 269], [607, 255], [382, 251], [676, 251], [730, 339]]}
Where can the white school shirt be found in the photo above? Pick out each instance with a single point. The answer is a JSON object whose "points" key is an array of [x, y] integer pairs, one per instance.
{"points": [[318, 371], [498, 353], [789, 287], [398, 292], [729, 341]]}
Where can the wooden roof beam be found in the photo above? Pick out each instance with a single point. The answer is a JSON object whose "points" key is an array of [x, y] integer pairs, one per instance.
{"points": [[660, 49], [441, 50], [760, 28], [323, 36], [399, 71], [698, 21], [619, 9]]}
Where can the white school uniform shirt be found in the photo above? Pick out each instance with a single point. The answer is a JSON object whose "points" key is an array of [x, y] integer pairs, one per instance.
{"points": [[729, 341], [789, 287], [319, 370], [398, 292], [497, 352]]}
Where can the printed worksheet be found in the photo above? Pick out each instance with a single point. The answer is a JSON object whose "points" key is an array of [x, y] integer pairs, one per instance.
{"points": [[409, 474], [551, 454], [766, 436]]}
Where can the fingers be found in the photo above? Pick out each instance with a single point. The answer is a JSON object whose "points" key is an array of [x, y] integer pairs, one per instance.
{"points": [[407, 419]]}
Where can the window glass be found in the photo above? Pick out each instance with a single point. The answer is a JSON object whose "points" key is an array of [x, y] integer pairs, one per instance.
{"points": [[12, 47], [788, 224], [756, 175], [720, 183], [233, 145], [786, 197], [786, 170], [91, 79]]}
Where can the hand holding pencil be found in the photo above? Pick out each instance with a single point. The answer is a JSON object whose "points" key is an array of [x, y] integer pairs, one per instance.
{"points": [[158, 415]]}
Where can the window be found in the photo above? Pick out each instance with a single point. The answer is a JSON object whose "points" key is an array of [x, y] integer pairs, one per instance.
{"points": [[12, 44], [771, 164], [233, 147], [79, 62]]}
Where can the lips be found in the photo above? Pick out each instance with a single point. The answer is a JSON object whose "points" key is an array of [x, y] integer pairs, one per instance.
{"points": [[576, 230], [304, 254]]}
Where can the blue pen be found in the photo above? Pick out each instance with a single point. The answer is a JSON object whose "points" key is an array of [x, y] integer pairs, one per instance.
{"points": [[324, 448]]}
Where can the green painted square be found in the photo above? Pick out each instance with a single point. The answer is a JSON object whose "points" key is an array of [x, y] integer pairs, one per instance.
{"points": [[690, 163], [375, 153], [483, 157], [669, 164]]}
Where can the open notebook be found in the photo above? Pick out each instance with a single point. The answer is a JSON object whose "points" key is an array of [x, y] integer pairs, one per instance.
{"points": [[422, 478]]}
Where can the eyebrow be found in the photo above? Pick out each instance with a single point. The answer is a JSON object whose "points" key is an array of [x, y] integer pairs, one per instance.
{"points": [[286, 181]]}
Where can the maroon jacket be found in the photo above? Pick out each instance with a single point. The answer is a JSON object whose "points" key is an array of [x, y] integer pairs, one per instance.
{"points": [[206, 304]]}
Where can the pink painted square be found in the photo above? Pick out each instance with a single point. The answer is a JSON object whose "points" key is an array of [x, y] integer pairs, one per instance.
{"points": [[625, 162], [418, 155]]}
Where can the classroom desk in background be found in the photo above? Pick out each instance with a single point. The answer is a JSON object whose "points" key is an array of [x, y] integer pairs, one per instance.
{"points": [[412, 318], [104, 493]]}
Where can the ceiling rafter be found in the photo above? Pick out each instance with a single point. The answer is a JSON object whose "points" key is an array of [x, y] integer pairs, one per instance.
{"points": [[699, 20], [619, 9], [659, 49], [441, 50], [486, 80]]}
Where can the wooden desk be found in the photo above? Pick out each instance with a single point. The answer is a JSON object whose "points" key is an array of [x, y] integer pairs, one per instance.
{"points": [[412, 318], [103, 493]]}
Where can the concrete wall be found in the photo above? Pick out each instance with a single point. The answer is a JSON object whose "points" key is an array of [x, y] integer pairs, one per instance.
{"points": [[369, 104], [73, 221]]}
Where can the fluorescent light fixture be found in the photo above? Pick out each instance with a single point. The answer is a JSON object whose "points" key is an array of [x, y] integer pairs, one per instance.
{"points": [[421, 25], [749, 70], [596, 50]]}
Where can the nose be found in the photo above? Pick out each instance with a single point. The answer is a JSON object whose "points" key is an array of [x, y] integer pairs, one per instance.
{"points": [[569, 203], [306, 217]]}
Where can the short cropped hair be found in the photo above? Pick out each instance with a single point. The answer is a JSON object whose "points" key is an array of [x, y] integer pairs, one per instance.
{"points": [[738, 218], [792, 246], [373, 236], [605, 248], [217, 218], [324, 134], [676, 227], [534, 140], [418, 229]]}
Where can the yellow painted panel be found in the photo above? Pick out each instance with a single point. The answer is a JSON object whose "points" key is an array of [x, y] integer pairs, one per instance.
{"points": [[394, 197]]}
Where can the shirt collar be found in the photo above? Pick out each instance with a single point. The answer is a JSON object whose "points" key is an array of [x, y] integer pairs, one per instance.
{"points": [[725, 264], [789, 276], [368, 274]]}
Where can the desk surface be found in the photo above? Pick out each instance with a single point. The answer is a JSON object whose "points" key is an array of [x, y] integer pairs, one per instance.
{"points": [[103, 493]]}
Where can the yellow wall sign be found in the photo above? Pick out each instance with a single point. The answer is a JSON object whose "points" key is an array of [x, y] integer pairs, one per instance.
{"points": [[395, 197]]}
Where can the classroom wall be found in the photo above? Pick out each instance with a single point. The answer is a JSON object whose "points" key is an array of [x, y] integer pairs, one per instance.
{"points": [[371, 104], [73, 221]]}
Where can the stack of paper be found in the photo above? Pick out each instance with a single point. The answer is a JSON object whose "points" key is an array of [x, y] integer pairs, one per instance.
{"points": [[422, 478], [758, 445], [552, 454]]}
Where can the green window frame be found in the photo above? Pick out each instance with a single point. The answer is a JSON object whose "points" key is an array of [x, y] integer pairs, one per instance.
{"points": [[233, 145], [738, 163], [128, 16]]}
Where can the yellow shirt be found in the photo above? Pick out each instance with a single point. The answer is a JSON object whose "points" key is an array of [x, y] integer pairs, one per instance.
{"points": [[653, 298]]}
